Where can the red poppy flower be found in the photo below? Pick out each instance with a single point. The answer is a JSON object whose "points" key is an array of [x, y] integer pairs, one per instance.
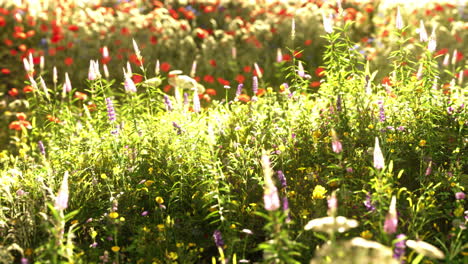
{"points": [[240, 78], [73, 28], [213, 63], [165, 67], [315, 84], [68, 61], [13, 92], [137, 78], [28, 89], [247, 69], [2, 21], [6, 71], [307, 42], [208, 79], [223, 81], [386, 80]]}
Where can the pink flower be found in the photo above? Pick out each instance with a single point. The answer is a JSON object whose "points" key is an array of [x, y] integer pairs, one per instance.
{"points": [[460, 196], [391, 220], [271, 198]]}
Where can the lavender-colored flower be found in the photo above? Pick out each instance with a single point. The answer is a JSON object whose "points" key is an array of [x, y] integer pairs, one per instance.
{"points": [[391, 219], [129, 85], [460, 195], [41, 147], [218, 239], [382, 116], [186, 99], [177, 127], [144, 213], [239, 89], [379, 161], [400, 246], [368, 203], [255, 85], [167, 103], [110, 110], [196, 102], [282, 179], [24, 261], [300, 70], [398, 20], [61, 201], [67, 87]]}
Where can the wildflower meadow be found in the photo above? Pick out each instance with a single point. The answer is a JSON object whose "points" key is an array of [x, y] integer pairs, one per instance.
{"points": [[224, 131]]}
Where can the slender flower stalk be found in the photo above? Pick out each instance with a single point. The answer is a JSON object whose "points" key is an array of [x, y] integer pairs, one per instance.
{"points": [[432, 44], [391, 220], [110, 110], [400, 246], [382, 116], [61, 201], [239, 90], [422, 32], [338, 103], [270, 195], [258, 71], [300, 70], [41, 63], [279, 56], [196, 102], [194, 69], [41, 147], [157, 68], [137, 50], [54, 76], [91, 72], [167, 103], [327, 24], [218, 239], [282, 179], [399, 20], [368, 203], [67, 87], [234, 53], [379, 162], [255, 85], [337, 147], [129, 85]]}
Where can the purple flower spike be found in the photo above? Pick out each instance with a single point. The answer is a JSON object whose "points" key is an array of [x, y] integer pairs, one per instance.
{"points": [[218, 238], [282, 179], [399, 249], [255, 85], [110, 110]]}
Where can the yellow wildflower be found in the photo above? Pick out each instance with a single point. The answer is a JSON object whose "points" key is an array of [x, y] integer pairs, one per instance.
{"points": [[319, 192], [172, 255], [103, 176], [148, 183], [159, 200], [366, 234], [115, 248], [160, 227], [113, 215], [422, 143]]}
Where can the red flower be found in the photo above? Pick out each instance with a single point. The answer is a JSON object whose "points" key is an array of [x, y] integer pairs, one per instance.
{"points": [[222, 81], [13, 92], [213, 63], [28, 89], [125, 31], [240, 78], [165, 67], [154, 40], [20, 115], [137, 78], [307, 42], [2, 21], [73, 28], [247, 69], [8, 42], [298, 54], [315, 84], [6, 71], [208, 9], [208, 78], [441, 52], [286, 57], [210, 91], [386, 80], [167, 88], [244, 98], [319, 72], [68, 61]]}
